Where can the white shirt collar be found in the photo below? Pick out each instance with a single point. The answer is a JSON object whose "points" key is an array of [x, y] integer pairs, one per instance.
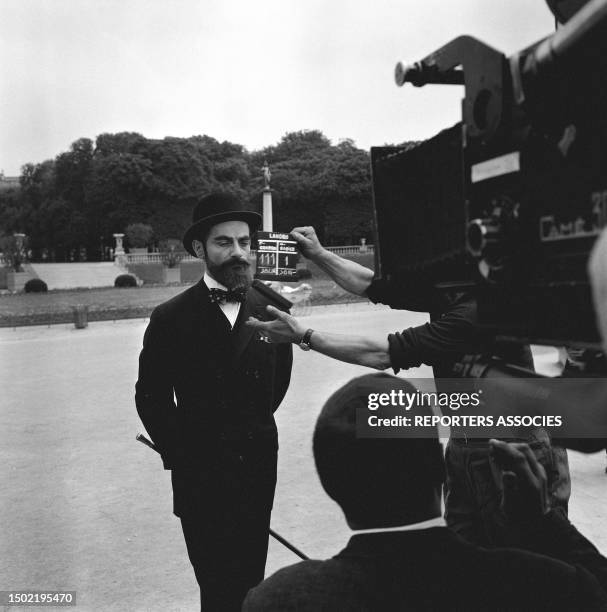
{"points": [[229, 309], [439, 521]]}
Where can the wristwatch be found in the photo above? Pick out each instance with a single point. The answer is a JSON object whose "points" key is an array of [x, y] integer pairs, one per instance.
{"points": [[304, 343]]}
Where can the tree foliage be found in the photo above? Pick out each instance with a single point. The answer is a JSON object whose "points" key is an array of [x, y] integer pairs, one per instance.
{"points": [[319, 184], [74, 203], [139, 235]]}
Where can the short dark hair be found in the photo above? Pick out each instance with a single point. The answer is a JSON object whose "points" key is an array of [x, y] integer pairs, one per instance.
{"points": [[374, 480], [202, 236]]}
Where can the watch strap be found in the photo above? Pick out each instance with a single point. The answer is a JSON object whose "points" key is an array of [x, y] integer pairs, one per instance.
{"points": [[305, 341]]}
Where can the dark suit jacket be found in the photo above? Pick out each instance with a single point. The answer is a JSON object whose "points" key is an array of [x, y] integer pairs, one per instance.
{"points": [[435, 570], [226, 383]]}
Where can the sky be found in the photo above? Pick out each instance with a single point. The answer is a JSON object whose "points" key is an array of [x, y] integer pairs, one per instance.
{"points": [[237, 70]]}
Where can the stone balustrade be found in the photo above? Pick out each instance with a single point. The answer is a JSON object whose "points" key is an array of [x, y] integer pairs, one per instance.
{"points": [[140, 258]]}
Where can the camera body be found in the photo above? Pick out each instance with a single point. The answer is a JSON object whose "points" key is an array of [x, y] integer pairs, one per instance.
{"points": [[506, 204]]}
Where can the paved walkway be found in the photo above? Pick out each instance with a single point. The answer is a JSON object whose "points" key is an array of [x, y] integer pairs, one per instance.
{"points": [[86, 508]]}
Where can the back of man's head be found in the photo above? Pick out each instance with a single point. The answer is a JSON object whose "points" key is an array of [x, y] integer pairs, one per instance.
{"points": [[378, 482]]}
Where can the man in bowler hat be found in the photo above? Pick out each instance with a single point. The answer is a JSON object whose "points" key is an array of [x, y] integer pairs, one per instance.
{"points": [[207, 389]]}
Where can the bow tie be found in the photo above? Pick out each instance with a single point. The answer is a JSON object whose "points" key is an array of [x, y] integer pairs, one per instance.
{"points": [[219, 296]]}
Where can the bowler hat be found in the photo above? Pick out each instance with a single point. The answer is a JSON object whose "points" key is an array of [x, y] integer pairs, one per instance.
{"points": [[217, 208]]}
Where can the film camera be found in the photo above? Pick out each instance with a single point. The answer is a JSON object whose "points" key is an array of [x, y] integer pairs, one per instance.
{"points": [[507, 203]]}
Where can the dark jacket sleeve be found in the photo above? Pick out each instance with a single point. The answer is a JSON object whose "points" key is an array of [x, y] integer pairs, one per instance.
{"points": [[403, 296], [443, 340], [154, 396], [453, 331]]}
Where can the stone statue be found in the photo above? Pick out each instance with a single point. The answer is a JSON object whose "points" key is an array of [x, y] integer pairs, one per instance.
{"points": [[267, 175]]}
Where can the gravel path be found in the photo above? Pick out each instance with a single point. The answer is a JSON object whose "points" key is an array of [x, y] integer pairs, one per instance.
{"points": [[86, 508]]}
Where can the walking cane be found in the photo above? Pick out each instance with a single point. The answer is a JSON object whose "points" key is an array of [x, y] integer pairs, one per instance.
{"points": [[141, 438]]}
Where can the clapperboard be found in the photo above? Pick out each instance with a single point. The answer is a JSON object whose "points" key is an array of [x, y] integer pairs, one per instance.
{"points": [[276, 257]]}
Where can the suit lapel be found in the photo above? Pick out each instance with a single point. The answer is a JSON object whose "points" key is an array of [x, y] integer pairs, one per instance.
{"points": [[209, 315], [242, 334]]}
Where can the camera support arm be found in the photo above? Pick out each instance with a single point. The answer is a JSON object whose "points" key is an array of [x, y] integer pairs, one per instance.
{"points": [[482, 71]]}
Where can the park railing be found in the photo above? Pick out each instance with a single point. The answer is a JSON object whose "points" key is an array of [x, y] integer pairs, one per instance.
{"points": [[352, 249], [142, 258]]}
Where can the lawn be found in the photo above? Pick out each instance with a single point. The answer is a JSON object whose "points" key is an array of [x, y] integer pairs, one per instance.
{"points": [[111, 303]]}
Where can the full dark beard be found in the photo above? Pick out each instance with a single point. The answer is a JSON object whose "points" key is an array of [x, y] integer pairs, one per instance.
{"points": [[233, 274]]}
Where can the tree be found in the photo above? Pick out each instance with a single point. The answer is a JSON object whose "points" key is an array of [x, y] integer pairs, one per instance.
{"points": [[72, 172], [139, 235], [316, 183], [94, 190], [11, 211], [37, 188]]}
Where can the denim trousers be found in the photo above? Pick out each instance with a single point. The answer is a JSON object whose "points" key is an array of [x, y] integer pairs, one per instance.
{"points": [[474, 492]]}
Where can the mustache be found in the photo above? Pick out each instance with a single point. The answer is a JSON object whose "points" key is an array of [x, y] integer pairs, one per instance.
{"points": [[236, 261]]}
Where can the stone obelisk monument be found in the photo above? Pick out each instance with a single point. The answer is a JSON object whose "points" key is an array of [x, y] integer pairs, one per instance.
{"points": [[267, 199]]}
